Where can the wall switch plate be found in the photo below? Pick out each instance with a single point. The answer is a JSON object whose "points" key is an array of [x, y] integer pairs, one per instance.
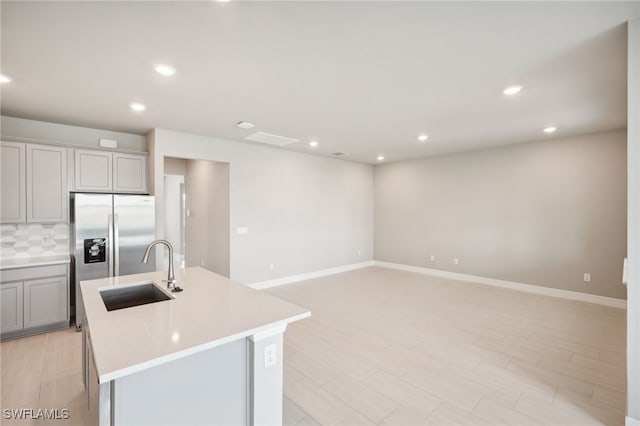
{"points": [[456, 261], [242, 230], [272, 266], [359, 252], [432, 258], [587, 278], [270, 355]]}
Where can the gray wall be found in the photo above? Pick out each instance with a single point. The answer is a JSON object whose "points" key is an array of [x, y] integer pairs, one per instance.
{"points": [[539, 213], [173, 225], [633, 299], [304, 213], [22, 129], [175, 166], [207, 227]]}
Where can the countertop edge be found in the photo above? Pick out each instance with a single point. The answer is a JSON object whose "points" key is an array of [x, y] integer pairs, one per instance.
{"points": [[114, 375]]}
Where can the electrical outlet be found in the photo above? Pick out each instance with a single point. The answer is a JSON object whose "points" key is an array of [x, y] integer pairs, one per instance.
{"points": [[46, 239], [587, 278], [270, 355], [456, 261], [432, 258]]}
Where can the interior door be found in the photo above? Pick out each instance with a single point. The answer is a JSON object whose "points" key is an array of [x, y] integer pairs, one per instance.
{"points": [[134, 228]]}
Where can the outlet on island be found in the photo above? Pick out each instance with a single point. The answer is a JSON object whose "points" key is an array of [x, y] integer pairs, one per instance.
{"points": [[270, 355]]}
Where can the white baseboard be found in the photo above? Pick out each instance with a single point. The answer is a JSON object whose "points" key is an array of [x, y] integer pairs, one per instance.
{"points": [[630, 421], [545, 291], [310, 275]]}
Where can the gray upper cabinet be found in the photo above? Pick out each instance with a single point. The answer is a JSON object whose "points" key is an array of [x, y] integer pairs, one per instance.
{"points": [[93, 170], [101, 171], [13, 204], [34, 183], [129, 173], [47, 194]]}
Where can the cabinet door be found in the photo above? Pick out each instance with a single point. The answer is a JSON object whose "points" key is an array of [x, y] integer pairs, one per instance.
{"points": [[12, 183], [93, 170], [47, 194], [129, 173], [11, 300], [45, 301]]}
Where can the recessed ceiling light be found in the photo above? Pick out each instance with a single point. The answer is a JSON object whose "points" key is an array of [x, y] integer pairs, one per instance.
{"points": [[313, 144], [166, 70], [423, 137], [550, 129], [512, 90], [380, 158], [5, 78], [245, 125], [137, 106]]}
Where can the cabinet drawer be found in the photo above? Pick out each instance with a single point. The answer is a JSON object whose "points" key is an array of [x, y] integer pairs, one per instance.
{"points": [[22, 274]]}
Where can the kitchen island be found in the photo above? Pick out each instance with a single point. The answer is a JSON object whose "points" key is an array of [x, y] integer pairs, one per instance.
{"points": [[211, 354]]}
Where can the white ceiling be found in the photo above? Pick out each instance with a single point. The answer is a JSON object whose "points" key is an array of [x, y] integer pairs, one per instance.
{"points": [[364, 78]]}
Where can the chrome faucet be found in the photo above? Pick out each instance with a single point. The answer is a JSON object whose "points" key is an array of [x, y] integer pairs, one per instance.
{"points": [[171, 279]]}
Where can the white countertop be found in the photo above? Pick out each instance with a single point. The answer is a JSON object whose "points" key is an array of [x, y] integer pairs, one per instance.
{"points": [[28, 262], [211, 311]]}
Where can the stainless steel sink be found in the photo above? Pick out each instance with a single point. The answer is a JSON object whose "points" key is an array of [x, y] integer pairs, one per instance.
{"points": [[135, 295]]}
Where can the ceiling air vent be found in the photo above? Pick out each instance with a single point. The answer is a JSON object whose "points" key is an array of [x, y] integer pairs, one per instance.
{"points": [[338, 154], [270, 139]]}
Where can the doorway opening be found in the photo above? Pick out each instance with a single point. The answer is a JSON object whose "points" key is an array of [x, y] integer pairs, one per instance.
{"points": [[196, 213]]}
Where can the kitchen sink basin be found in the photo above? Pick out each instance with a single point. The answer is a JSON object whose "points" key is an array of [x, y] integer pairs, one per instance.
{"points": [[135, 295]]}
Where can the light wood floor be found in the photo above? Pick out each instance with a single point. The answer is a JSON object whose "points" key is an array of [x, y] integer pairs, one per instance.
{"points": [[396, 348]]}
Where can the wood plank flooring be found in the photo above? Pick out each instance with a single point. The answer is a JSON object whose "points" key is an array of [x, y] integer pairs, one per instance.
{"points": [[396, 348]]}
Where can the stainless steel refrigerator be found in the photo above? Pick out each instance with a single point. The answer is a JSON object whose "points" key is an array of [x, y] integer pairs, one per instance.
{"points": [[110, 234]]}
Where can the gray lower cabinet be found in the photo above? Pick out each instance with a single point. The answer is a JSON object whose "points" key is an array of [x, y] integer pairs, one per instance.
{"points": [[45, 301], [34, 300], [11, 300]]}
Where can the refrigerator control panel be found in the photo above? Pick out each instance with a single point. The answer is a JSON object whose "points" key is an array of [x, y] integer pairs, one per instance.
{"points": [[95, 250]]}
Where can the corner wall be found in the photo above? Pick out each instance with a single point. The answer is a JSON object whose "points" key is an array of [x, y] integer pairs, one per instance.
{"points": [[540, 213], [633, 291], [303, 213]]}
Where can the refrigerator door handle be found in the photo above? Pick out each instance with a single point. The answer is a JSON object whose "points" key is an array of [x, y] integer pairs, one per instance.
{"points": [[110, 245], [116, 246]]}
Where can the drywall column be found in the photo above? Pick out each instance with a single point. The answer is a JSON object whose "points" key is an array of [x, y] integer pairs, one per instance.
{"points": [[633, 226]]}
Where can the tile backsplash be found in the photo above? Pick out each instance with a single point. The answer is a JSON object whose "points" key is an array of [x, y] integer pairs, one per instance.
{"points": [[33, 240]]}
